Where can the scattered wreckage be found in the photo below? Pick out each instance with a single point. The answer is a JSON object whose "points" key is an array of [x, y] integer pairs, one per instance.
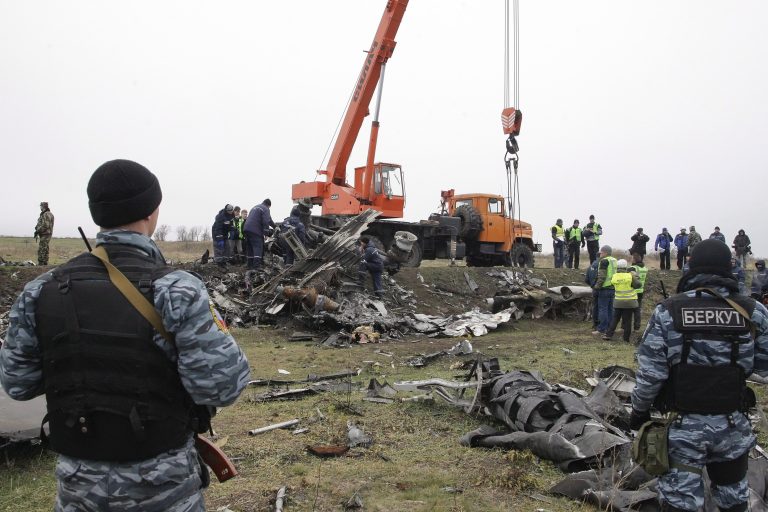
{"points": [[325, 292]]}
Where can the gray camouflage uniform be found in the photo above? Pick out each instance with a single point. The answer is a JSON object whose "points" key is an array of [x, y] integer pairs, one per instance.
{"points": [[698, 439], [212, 368]]}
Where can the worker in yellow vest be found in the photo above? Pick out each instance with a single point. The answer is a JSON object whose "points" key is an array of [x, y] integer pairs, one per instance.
{"points": [[625, 283], [575, 242], [639, 268], [606, 267], [558, 243], [592, 232]]}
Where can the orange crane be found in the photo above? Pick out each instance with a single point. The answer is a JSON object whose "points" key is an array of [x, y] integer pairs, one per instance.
{"points": [[378, 185]]}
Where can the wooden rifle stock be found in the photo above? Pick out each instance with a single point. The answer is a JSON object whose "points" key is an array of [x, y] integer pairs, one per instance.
{"points": [[215, 459]]}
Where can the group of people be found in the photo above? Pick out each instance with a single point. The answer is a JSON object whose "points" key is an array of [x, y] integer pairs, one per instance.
{"points": [[239, 235], [685, 241], [568, 242], [617, 293]]}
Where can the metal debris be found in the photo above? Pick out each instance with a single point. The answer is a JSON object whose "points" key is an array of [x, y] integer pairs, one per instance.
{"points": [[274, 426], [356, 437]]}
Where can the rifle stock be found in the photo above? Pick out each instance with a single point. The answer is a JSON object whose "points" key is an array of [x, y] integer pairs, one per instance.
{"points": [[215, 459]]}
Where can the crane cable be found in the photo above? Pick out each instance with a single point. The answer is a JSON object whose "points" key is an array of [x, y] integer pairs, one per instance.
{"points": [[511, 158]]}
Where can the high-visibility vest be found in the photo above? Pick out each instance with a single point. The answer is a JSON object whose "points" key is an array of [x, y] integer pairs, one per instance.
{"points": [[597, 228], [642, 273], [559, 232], [574, 235], [622, 282], [611, 270]]}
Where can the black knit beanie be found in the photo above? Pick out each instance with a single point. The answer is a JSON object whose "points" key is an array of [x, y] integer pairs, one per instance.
{"points": [[121, 192], [711, 257]]}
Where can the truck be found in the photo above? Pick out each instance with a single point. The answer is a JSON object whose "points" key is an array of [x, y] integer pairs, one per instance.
{"points": [[475, 226]]}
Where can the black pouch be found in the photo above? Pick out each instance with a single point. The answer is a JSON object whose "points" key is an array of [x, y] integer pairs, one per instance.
{"points": [[707, 389]]}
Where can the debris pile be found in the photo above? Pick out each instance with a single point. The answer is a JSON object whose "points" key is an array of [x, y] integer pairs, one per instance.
{"points": [[533, 297], [325, 292]]}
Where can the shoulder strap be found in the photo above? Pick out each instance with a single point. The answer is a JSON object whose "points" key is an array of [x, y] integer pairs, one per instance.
{"points": [[735, 305], [137, 300]]}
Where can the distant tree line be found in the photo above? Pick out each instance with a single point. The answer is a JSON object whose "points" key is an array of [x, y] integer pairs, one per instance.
{"points": [[183, 233]]}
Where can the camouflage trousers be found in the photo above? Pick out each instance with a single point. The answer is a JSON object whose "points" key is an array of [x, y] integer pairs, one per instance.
{"points": [[168, 482], [42, 249], [697, 440]]}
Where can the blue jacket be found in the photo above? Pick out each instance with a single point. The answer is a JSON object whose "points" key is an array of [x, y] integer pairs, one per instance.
{"points": [[222, 225], [663, 241], [372, 258], [295, 223], [718, 236], [681, 241], [591, 276], [259, 220]]}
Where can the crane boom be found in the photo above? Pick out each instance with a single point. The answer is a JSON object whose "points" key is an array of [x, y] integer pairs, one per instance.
{"points": [[374, 184], [381, 50]]}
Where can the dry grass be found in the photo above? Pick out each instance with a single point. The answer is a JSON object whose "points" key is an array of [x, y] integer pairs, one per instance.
{"points": [[416, 454], [62, 249]]}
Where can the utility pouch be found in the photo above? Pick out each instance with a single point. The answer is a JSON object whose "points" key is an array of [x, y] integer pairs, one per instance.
{"points": [[650, 447], [708, 389]]}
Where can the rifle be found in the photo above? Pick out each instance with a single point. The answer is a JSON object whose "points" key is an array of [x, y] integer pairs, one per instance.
{"points": [[211, 454], [215, 459]]}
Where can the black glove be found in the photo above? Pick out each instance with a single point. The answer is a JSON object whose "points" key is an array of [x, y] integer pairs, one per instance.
{"points": [[637, 419]]}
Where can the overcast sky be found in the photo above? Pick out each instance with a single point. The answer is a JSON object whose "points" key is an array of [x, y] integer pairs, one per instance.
{"points": [[647, 114]]}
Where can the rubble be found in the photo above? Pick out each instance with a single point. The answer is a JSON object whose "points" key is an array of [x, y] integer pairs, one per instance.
{"points": [[323, 293]]}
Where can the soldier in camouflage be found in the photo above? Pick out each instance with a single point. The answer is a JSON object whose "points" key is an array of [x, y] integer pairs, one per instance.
{"points": [[121, 417], [698, 349], [43, 233]]}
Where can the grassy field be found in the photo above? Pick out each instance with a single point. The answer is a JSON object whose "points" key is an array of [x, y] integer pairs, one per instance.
{"points": [[415, 462], [415, 456], [62, 249]]}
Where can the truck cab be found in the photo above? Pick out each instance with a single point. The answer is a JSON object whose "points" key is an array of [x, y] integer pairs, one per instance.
{"points": [[490, 235]]}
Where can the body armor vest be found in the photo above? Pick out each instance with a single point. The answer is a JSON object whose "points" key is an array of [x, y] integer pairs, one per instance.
{"points": [[702, 389], [112, 393]]}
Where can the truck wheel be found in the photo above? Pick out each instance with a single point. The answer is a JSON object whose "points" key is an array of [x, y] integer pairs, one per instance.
{"points": [[414, 259], [471, 222], [521, 256]]}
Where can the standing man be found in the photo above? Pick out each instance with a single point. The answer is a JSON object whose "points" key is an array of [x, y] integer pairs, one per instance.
{"points": [[43, 233], [372, 263], [695, 363], [717, 235], [639, 239], [220, 232], [625, 283], [693, 238], [605, 291], [639, 268], [663, 246], [121, 397], [575, 244], [257, 224], [742, 246], [558, 243], [590, 277], [592, 233], [681, 242], [759, 286]]}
